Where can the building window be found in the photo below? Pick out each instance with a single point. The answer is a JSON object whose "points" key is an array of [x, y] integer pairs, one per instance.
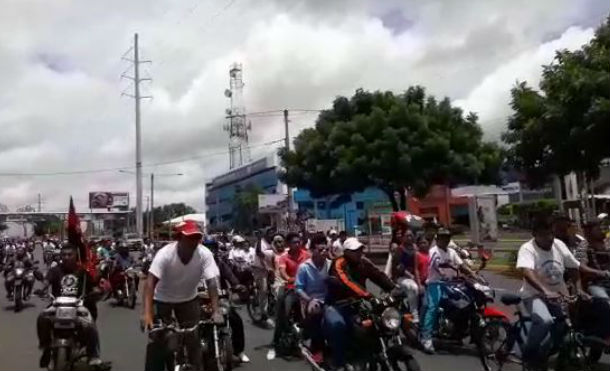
{"points": [[359, 205]]}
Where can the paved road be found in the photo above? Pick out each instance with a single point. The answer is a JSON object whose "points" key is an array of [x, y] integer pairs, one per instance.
{"points": [[124, 344]]}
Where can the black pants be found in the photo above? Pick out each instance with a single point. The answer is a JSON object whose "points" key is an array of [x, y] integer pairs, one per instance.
{"points": [[187, 314], [237, 328], [286, 300], [86, 331]]}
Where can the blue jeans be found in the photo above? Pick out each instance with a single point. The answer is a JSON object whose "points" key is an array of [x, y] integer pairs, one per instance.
{"points": [[598, 292], [337, 324], [434, 294]]}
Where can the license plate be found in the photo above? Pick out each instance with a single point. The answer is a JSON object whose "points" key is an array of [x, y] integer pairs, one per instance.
{"points": [[65, 313]]}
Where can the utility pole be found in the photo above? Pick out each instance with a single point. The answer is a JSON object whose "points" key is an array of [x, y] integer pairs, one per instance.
{"points": [[288, 189], [137, 97], [151, 215]]}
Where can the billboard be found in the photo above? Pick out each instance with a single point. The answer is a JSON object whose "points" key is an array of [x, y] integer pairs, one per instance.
{"points": [[483, 218], [107, 200], [272, 203]]}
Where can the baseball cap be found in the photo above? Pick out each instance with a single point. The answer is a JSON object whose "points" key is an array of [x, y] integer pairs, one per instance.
{"points": [[188, 228], [238, 239], [443, 232], [352, 243]]}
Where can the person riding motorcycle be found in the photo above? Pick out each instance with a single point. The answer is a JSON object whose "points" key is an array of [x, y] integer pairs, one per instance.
{"points": [[441, 254], [597, 257], [543, 261], [22, 257], [349, 274], [288, 265], [227, 278], [70, 279], [405, 270], [312, 287], [241, 258]]}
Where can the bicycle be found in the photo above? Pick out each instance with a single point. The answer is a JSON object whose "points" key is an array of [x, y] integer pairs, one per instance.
{"points": [[504, 342], [172, 337]]}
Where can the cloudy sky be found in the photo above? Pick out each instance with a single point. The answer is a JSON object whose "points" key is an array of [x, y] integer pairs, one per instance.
{"points": [[61, 108]]}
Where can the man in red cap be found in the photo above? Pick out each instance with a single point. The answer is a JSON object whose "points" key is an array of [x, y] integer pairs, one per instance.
{"points": [[171, 288]]}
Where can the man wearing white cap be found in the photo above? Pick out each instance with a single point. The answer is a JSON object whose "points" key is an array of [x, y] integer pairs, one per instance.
{"points": [[171, 288], [351, 270]]}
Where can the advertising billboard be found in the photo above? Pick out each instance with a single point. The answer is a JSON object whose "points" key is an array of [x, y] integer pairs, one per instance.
{"points": [[483, 218], [107, 200], [272, 203]]}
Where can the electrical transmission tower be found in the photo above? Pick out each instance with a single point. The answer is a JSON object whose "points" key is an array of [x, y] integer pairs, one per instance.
{"points": [[239, 153], [136, 79]]}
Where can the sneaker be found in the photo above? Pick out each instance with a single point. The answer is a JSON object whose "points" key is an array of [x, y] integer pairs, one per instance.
{"points": [[271, 354], [243, 358], [269, 323], [95, 361], [45, 358], [428, 346]]}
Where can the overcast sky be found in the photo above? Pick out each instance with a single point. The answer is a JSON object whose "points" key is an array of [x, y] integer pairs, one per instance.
{"points": [[60, 61]]}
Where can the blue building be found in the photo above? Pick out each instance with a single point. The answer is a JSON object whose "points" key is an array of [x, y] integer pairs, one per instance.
{"points": [[222, 190], [351, 208]]}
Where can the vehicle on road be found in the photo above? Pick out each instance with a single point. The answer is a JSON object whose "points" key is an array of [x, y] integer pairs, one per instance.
{"points": [[23, 283], [172, 336], [216, 338], [376, 343], [503, 341], [123, 287]]}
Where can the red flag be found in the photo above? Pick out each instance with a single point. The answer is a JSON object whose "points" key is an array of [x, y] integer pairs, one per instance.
{"points": [[75, 237]]}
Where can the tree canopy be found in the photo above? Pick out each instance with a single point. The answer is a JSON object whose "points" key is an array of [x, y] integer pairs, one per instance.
{"points": [[391, 141], [245, 208], [565, 126]]}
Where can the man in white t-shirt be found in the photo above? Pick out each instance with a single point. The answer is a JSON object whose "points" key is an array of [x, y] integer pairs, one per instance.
{"points": [[441, 256], [543, 261], [171, 289], [262, 269]]}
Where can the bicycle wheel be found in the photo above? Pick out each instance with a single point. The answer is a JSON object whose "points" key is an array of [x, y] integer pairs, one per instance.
{"points": [[254, 309], [495, 345]]}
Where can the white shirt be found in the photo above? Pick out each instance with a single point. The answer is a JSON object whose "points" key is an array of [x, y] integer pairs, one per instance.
{"points": [[268, 255], [242, 257], [439, 256], [548, 265], [178, 281], [337, 248]]}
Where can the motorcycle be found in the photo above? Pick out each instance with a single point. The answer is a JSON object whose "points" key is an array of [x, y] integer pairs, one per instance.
{"points": [[464, 311], [376, 328], [66, 349], [145, 262], [216, 340], [123, 287], [23, 282]]}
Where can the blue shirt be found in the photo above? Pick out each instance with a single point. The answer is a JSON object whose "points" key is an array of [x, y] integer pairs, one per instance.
{"points": [[311, 280]]}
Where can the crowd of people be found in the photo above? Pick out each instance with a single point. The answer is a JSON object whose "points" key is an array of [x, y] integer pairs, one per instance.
{"points": [[310, 276]]}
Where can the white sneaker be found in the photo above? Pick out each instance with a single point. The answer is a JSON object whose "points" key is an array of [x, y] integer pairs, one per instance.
{"points": [[428, 346], [271, 354], [270, 323], [243, 357]]}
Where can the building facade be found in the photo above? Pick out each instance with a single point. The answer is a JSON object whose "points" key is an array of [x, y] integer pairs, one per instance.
{"points": [[221, 191]]}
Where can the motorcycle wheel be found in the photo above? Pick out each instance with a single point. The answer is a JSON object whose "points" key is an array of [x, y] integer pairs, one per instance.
{"points": [[492, 344], [131, 300], [60, 361], [254, 310], [402, 360], [18, 298]]}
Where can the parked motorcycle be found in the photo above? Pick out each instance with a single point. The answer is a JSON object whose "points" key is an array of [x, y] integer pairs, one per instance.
{"points": [[216, 339], [376, 330]]}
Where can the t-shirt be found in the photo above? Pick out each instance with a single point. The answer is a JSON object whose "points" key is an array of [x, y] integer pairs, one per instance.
{"points": [[178, 281], [292, 265], [241, 257], [423, 264], [313, 281], [69, 283], [439, 256], [548, 265]]}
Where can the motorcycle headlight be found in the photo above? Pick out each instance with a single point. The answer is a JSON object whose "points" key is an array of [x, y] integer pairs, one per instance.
{"points": [[19, 271], [390, 318]]}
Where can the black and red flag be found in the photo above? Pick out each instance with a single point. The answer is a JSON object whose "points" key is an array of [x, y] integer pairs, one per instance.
{"points": [[75, 237]]}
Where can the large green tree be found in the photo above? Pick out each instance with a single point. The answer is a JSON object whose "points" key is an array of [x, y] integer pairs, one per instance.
{"points": [[391, 141], [565, 126]]}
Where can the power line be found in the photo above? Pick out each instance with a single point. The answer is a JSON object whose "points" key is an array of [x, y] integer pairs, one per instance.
{"points": [[114, 169]]}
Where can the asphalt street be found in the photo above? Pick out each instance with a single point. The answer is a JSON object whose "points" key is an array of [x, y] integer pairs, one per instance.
{"points": [[123, 344]]}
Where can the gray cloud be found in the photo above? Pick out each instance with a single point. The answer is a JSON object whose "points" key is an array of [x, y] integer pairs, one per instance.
{"points": [[61, 109]]}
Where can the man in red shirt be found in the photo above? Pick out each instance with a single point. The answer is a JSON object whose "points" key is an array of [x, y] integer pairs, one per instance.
{"points": [[287, 296]]}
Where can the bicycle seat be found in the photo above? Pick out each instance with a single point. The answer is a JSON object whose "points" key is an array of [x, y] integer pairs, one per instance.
{"points": [[510, 299]]}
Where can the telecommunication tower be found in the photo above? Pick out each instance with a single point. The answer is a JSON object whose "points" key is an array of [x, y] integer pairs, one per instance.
{"points": [[239, 153]]}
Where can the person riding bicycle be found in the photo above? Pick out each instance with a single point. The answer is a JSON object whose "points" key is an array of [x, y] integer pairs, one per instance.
{"points": [[70, 279], [543, 260], [440, 255], [228, 279], [349, 274], [171, 289], [312, 287], [263, 268], [288, 265]]}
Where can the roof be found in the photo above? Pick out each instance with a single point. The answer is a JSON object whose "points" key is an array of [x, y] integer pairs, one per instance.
{"points": [[475, 190]]}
